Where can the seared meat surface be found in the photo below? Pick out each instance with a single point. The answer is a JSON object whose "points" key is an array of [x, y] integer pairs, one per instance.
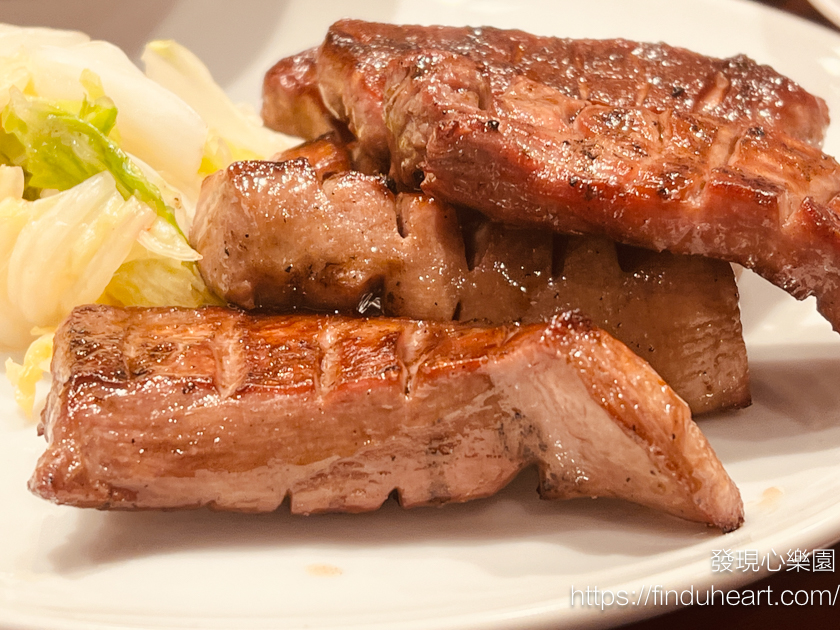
{"points": [[272, 236], [682, 182], [326, 154], [351, 66], [169, 408], [679, 313], [645, 144], [292, 102]]}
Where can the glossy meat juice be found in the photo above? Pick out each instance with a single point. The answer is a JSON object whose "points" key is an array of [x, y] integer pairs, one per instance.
{"points": [[177, 408]]}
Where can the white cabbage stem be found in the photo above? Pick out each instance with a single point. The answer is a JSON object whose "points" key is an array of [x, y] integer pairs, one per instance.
{"points": [[179, 70], [70, 246]]}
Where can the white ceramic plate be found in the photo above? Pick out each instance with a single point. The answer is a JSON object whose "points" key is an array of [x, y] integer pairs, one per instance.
{"points": [[829, 8], [507, 562]]}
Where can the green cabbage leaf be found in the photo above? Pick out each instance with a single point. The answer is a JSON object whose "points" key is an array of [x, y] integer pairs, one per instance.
{"points": [[58, 149]]}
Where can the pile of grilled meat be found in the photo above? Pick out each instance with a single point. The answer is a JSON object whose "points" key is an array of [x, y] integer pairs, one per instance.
{"points": [[493, 251]]}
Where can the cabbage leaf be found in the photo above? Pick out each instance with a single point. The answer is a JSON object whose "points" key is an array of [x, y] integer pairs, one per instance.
{"points": [[148, 279], [69, 246], [58, 149], [154, 124], [236, 131], [25, 376]]}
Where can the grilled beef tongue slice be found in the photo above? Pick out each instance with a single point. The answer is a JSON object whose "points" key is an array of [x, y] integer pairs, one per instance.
{"points": [[273, 235], [681, 182], [349, 69], [181, 408]]}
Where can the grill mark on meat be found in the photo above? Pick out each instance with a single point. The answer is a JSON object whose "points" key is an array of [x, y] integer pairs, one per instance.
{"points": [[631, 130], [402, 224], [714, 94], [228, 353], [496, 275], [352, 65], [559, 245], [481, 405], [738, 209], [345, 241]]}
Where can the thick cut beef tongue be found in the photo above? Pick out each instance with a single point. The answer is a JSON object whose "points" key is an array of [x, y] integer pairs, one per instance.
{"points": [[176, 408], [274, 235], [349, 71], [292, 101], [682, 182], [646, 144]]}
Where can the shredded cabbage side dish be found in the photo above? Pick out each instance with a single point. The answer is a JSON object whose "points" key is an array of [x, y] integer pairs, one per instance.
{"points": [[100, 169]]}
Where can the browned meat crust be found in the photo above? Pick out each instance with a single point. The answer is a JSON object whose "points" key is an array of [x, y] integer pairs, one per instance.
{"points": [[679, 313], [675, 181], [330, 154], [326, 154], [169, 408], [271, 236], [291, 101], [352, 62]]}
